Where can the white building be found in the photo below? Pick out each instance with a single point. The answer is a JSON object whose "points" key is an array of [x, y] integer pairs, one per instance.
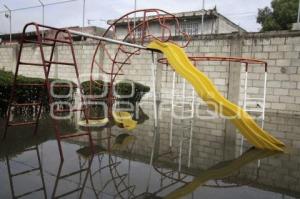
{"points": [[190, 22]]}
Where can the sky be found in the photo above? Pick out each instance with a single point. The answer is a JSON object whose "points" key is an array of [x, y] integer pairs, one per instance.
{"points": [[242, 12]]}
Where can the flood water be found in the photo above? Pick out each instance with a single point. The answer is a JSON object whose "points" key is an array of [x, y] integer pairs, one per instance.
{"points": [[141, 164]]}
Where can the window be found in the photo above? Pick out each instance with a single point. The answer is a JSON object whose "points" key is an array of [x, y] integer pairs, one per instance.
{"points": [[190, 28], [139, 33]]}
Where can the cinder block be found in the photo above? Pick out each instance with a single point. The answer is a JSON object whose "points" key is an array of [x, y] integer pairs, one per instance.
{"points": [[278, 40], [278, 106], [280, 91], [272, 98], [274, 84], [283, 62], [297, 47], [276, 55], [285, 48], [293, 40], [281, 77], [261, 55], [220, 81], [291, 55], [295, 77], [289, 84], [287, 99], [269, 48]]}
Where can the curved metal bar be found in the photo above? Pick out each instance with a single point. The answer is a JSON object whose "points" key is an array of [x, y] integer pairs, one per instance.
{"points": [[246, 61], [116, 67]]}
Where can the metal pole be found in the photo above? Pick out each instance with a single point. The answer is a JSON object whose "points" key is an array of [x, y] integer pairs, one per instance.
{"points": [[83, 15], [244, 105], [106, 39], [134, 23], [10, 25], [298, 19], [202, 19], [93, 20], [43, 15], [172, 110]]}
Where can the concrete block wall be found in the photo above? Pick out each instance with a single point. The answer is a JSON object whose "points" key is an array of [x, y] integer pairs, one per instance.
{"points": [[280, 50], [282, 53], [7, 57]]}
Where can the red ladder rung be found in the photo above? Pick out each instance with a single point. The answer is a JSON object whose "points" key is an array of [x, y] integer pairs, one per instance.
{"points": [[68, 193], [20, 123], [120, 62], [26, 104], [57, 40], [73, 173], [37, 42], [60, 63], [30, 149], [30, 85], [64, 86], [73, 135], [67, 110], [25, 172], [30, 192], [32, 64]]}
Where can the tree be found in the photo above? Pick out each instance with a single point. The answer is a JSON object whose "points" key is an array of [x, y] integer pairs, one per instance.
{"points": [[280, 17]]}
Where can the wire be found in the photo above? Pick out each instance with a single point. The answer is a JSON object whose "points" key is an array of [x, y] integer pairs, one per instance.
{"points": [[38, 6]]}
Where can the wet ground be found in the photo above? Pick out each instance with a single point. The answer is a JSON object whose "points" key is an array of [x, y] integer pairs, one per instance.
{"points": [[140, 163]]}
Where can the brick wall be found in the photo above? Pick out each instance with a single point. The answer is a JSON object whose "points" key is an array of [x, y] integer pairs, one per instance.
{"points": [[281, 51]]}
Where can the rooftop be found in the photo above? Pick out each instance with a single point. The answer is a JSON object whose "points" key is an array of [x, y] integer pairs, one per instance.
{"points": [[211, 13]]}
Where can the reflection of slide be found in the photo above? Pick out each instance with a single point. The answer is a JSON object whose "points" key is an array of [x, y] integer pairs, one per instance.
{"points": [[125, 119], [93, 123], [209, 93], [122, 141], [222, 169]]}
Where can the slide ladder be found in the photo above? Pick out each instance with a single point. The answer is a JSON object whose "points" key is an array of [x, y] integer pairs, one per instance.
{"points": [[32, 171], [258, 102], [46, 64], [186, 117], [209, 93]]}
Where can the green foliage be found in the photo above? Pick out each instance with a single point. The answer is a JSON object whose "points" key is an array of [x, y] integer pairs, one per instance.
{"points": [[32, 94], [27, 94], [123, 87], [96, 88], [132, 92], [281, 17]]}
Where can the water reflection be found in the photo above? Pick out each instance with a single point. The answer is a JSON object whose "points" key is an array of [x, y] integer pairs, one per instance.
{"points": [[75, 188], [12, 175], [220, 170], [122, 166]]}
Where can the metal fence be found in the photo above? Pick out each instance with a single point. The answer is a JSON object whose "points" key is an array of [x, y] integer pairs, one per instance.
{"points": [[13, 16], [40, 11]]}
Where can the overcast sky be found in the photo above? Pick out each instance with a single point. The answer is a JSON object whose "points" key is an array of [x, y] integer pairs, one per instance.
{"points": [[242, 12]]}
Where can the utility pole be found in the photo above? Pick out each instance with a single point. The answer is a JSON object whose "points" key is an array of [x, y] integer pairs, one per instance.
{"points": [[10, 25], [95, 20], [298, 19], [43, 15], [296, 25], [83, 15], [202, 19]]}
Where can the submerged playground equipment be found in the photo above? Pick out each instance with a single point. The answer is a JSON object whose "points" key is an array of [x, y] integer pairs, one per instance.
{"points": [[130, 44]]}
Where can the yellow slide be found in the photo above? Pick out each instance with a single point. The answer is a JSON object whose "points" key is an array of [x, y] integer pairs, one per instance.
{"points": [[215, 101], [125, 119], [220, 170]]}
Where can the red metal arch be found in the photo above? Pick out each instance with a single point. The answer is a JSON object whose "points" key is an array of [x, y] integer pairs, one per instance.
{"points": [[164, 19]]}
